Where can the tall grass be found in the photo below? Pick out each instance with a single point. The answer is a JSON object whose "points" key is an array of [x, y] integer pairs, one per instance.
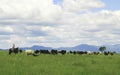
{"points": [[59, 64]]}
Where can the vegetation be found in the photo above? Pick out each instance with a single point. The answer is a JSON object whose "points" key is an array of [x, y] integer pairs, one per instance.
{"points": [[46, 64], [102, 48]]}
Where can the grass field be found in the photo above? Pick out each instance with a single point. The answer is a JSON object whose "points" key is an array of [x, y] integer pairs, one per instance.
{"points": [[59, 64]]}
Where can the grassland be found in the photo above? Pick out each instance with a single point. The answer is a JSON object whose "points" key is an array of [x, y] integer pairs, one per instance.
{"points": [[59, 64]]}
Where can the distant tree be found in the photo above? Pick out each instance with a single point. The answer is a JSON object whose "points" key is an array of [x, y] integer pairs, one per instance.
{"points": [[102, 48], [114, 52]]}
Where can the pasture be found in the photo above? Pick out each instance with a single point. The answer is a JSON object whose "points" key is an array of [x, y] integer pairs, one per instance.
{"points": [[69, 64]]}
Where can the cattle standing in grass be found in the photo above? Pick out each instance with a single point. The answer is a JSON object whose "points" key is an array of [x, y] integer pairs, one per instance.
{"points": [[20, 51], [97, 53], [63, 52], [106, 53], [54, 52], [29, 52], [89, 52], [44, 52], [80, 52], [70, 52], [109, 53], [74, 52], [36, 51]]}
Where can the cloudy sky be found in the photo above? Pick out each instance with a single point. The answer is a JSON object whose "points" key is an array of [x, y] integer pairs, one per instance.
{"points": [[59, 23]]}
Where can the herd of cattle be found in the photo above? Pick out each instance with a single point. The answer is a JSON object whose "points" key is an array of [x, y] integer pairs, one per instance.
{"points": [[55, 52]]}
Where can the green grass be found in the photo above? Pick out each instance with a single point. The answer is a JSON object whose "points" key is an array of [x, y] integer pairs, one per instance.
{"points": [[59, 64]]}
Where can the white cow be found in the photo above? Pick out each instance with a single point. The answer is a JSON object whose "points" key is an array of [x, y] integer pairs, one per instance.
{"points": [[29, 52], [89, 52], [100, 53]]}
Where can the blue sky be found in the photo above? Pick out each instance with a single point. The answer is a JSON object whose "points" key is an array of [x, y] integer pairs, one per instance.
{"points": [[59, 23], [57, 1], [109, 4], [112, 4]]}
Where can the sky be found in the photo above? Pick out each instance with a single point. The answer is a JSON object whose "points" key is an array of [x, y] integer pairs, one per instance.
{"points": [[59, 23]]}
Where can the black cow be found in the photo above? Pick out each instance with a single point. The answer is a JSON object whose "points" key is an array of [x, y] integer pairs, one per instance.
{"points": [[111, 53], [20, 51], [54, 52], [74, 52], [36, 51], [81, 52], [108, 53], [71, 52], [62, 52], [97, 53], [44, 52]]}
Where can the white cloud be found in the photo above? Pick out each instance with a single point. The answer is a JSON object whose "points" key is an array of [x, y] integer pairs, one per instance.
{"points": [[37, 10], [29, 22], [6, 30], [81, 5]]}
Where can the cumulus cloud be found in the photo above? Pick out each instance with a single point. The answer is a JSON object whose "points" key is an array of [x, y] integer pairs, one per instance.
{"points": [[41, 22], [6, 30], [81, 5], [34, 10]]}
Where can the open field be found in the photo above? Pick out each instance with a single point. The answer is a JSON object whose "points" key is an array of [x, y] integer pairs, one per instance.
{"points": [[59, 64]]}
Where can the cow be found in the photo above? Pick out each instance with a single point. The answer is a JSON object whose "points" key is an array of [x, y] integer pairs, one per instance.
{"points": [[70, 52], [106, 53], [54, 52], [36, 51], [31, 52], [97, 53], [112, 53], [62, 52], [109, 53], [80, 52], [74, 52], [20, 51], [44, 52], [89, 52]]}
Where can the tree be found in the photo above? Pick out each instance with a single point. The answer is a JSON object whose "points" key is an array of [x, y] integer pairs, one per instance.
{"points": [[102, 48]]}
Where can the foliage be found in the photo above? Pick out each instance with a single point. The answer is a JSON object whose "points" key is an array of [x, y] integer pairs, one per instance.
{"points": [[102, 48]]}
